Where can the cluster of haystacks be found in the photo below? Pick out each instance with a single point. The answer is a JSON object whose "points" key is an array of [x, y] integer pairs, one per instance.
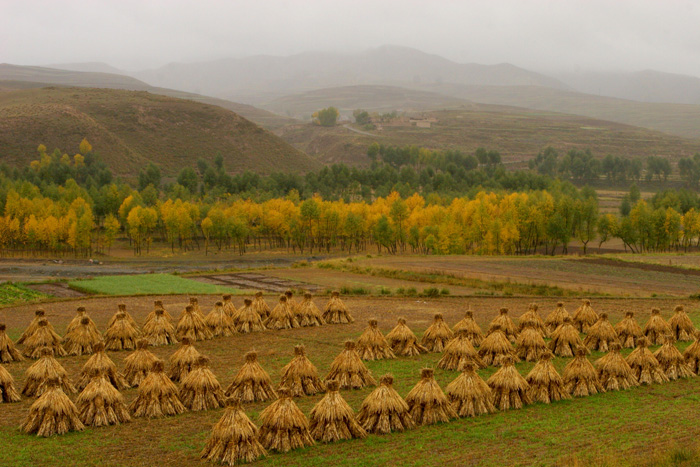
{"points": [[100, 403], [471, 327], [403, 342], [307, 313], [645, 366], [8, 392], [219, 322], [281, 316], [44, 369], [349, 370], [459, 351], [372, 345], [628, 331], [580, 376], [504, 323], [530, 345], [234, 438], [532, 319], [656, 328], [692, 354], [682, 327], [200, 389], [546, 384], [495, 348], [672, 362], [157, 395], [192, 325], [283, 426], [138, 364], [584, 317], [427, 404], [601, 334], [121, 334], [614, 373], [251, 383], [556, 318], [248, 319], [509, 388], [8, 352], [336, 312], [43, 336], [101, 362], [53, 413], [469, 395], [437, 335], [565, 339], [384, 410], [300, 376], [332, 419], [183, 360], [159, 330], [82, 338]]}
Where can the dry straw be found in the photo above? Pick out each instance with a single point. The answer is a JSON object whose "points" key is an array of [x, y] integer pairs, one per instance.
{"points": [[601, 334], [82, 339], [469, 395], [427, 404], [101, 362], [219, 322], [200, 389], [283, 426], [53, 413], [307, 313], [138, 364], [44, 369], [332, 419], [336, 312], [645, 366], [532, 319], [251, 383], [614, 372], [509, 388], [192, 325], [556, 318], [584, 317], [546, 384], [682, 327], [458, 352], [194, 303], [76, 321], [281, 316], [470, 325], [505, 324], [8, 351], [33, 326], [122, 335], [300, 376], [44, 336], [349, 370], [384, 410], [101, 404], [159, 330], [672, 361], [121, 308], [437, 335], [157, 305], [581, 377], [656, 328], [530, 345], [565, 339], [8, 392], [183, 360], [692, 354], [234, 438], [403, 342], [372, 345], [260, 305], [229, 307], [292, 303], [157, 396], [247, 319], [628, 331], [495, 348]]}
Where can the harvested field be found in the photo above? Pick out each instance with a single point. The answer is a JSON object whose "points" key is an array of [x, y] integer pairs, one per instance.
{"points": [[57, 289], [256, 281]]}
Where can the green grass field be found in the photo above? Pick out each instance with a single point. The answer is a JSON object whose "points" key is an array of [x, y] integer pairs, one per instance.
{"points": [[147, 284], [14, 293]]}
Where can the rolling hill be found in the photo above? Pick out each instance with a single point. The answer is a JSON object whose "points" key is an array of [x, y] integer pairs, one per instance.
{"points": [[131, 128]]}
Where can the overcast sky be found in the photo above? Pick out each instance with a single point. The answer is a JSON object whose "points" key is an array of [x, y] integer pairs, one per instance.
{"points": [[542, 35]]}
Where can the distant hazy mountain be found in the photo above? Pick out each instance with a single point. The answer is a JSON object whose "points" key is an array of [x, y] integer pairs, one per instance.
{"points": [[262, 78], [92, 67]]}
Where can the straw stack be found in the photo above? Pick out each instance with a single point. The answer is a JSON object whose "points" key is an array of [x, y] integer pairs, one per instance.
{"points": [[546, 385], [349, 370], [532, 319], [281, 316], [194, 303], [192, 325], [672, 361], [247, 319], [427, 404], [121, 308], [8, 392], [251, 383], [234, 438], [469, 395], [183, 360], [336, 312], [601, 334], [82, 338], [530, 345], [159, 330], [470, 325], [300, 376], [283, 426], [200, 389], [44, 336], [585, 317], [656, 328], [157, 396], [292, 303], [403, 342], [332, 419], [645, 366], [101, 404], [565, 339], [229, 307], [384, 410], [509, 388], [505, 324], [121, 335], [158, 305], [495, 348], [138, 364], [372, 345], [33, 326], [628, 331], [260, 306], [458, 352], [307, 313], [614, 373], [8, 352], [692, 354], [681, 326], [44, 369], [581, 377], [556, 318], [52, 413], [76, 321], [437, 335], [219, 322], [101, 362]]}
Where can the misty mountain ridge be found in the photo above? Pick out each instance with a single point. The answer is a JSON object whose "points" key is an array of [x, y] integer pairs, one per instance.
{"points": [[89, 67]]}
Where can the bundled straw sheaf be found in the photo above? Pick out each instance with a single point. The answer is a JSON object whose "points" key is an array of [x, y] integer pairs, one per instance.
{"points": [[101, 404], [601, 334], [458, 352], [291, 301], [159, 330], [372, 345], [584, 317], [200, 389], [692, 354], [469, 325], [614, 373], [427, 404], [219, 322], [157, 396], [384, 410], [546, 385], [509, 388], [530, 345], [332, 419], [138, 364], [44, 336], [682, 327], [260, 306], [628, 331], [8, 351], [505, 324], [307, 313], [281, 316], [101, 362], [183, 360], [495, 348], [469, 395], [336, 312], [532, 319], [556, 318], [580, 376], [8, 392], [403, 342], [283, 426], [44, 369], [82, 338], [229, 307], [234, 438], [194, 303], [192, 326], [121, 335], [33, 326], [53, 413], [349, 370], [76, 321], [672, 361], [251, 383], [645, 366], [437, 335], [656, 328], [158, 305], [565, 339], [121, 308], [300, 376], [247, 319]]}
